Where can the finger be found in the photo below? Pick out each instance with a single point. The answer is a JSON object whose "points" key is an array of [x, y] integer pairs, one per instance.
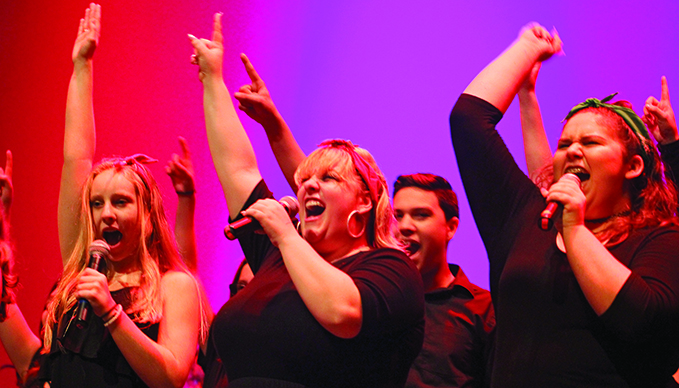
{"points": [[557, 43], [87, 18], [252, 73], [664, 90], [8, 164], [81, 26], [217, 28], [245, 89], [651, 101], [654, 110], [185, 148], [247, 99], [197, 44]]}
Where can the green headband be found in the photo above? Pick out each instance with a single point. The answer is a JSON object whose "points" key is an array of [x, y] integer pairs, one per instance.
{"points": [[627, 115]]}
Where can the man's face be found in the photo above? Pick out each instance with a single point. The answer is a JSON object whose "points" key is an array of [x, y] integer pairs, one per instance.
{"points": [[423, 226]]}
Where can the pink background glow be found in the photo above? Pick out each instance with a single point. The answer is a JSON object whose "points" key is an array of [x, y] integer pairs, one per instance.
{"points": [[384, 74]]}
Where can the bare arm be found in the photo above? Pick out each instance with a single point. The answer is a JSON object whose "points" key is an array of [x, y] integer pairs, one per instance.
{"points": [[499, 82], [255, 100], [599, 274], [18, 340], [329, 293], [79, 134], [230, 147], [180, 170], [165, 363], [535, 143]]}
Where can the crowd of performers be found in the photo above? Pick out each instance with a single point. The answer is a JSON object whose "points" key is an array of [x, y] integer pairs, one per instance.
{"points": [[360, 292]]}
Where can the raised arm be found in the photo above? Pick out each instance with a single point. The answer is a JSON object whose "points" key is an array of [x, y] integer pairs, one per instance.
{"points": [[659, 116], [79, 134], [16, 337], [535, 143], [255, 100], [180, 170], [230, 147], [499, 82]]}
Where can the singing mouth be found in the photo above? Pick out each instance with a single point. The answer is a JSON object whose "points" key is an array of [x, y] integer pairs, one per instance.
{"points": [[112, 237], [314, 208], [412, 247], [580, 172]]}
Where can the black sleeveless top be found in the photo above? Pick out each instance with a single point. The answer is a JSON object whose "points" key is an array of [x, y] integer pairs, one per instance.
{"points": [[99, 363]]}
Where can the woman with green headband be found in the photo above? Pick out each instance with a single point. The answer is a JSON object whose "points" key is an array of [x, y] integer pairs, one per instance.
{"points": [[593, 301]]}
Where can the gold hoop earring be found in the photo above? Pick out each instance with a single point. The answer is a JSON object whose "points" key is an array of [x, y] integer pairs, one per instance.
{"points": [[359, 234]]}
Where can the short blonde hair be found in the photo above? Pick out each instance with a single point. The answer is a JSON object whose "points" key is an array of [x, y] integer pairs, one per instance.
{"points": [[359, 168]]}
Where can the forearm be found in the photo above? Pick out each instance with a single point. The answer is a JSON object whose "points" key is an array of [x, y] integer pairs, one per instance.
{"points": [[232, 153], [599, 274], [284, 146], [79, 148], [185, 232], [330, 294], [499, 82], [18, 340], [154, 364], [536, 145]]}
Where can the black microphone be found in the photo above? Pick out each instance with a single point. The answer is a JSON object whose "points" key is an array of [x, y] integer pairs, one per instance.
{"points": [[100, 252], [248, 224], [546, 221]]}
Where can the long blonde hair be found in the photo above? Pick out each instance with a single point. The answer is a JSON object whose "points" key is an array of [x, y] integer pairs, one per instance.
{"points": [[156, 252], [357, 165]]}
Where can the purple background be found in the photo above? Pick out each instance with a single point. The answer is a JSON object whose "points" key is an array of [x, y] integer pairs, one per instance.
{"points": [[384, 74]]}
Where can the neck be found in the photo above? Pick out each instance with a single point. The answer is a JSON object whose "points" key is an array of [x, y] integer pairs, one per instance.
{"points": [[439, 277], [359, 245]]}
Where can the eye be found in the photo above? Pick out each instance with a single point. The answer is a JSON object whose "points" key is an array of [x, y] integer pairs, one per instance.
{"points": [[121, 202], [330, 176], [420, 215], [96, 204], [398, 216], [562, 145]]}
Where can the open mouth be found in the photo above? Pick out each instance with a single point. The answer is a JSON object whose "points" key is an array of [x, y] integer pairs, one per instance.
{"points": [[313, 208], [412, 247], [112, 237], [580, 172]]}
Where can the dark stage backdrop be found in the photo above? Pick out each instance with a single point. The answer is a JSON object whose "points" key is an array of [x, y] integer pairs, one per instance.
{"points": [[384, 74]]}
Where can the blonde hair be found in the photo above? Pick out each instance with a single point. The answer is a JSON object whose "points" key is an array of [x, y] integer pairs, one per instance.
{"points": [[156, 252], [357, 167]]}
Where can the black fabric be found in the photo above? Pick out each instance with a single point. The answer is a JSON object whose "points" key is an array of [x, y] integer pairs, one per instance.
{"points": [[101, 364], [459, 321], [266, 331], [547, 335]]}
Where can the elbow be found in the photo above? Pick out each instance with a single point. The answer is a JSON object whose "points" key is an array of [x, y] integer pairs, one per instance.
{"points": [[346, 323]]}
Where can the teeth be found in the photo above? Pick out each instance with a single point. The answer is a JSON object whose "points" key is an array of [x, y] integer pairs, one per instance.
{"points": [[312, 203], [579, 171]]}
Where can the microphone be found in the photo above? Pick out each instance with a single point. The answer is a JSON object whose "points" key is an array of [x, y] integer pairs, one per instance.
{"points": [[248, 224], [546, 221], [100, 252]]}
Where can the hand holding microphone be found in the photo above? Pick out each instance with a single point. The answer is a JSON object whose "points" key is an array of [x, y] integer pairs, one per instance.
{"points": [[99, 253], [546, 217], [248, 224]]}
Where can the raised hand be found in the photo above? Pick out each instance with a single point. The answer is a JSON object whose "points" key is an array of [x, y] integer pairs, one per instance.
{"points": [[180, 170], [6, 188], [548, 43], [659, 116], [254, 99], [88, 34], [209, 54]]}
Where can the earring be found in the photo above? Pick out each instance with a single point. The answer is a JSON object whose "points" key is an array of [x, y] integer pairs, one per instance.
{"points": [[359, 234]]}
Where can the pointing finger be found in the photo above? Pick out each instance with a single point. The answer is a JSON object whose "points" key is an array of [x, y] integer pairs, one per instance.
{"points": [[185, 148], [217, 28], [8, 164], [252, 73], [665, 91]]}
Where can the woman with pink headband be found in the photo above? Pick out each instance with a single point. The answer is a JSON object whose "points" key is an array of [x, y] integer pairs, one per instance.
{"points": [[336, 304]]}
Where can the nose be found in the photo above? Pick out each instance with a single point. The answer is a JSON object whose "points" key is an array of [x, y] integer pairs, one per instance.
{"points": [[107, 214], [311, 185], [405, 226], [574, 150]]}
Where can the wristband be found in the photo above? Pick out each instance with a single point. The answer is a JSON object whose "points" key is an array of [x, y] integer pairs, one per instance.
{"points": [[119, 310]]}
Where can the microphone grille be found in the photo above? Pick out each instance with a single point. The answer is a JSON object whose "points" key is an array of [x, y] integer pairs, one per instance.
{"points": [[100, 246], [291, 204]]}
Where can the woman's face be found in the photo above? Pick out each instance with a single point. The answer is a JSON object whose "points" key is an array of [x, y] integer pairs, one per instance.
{"points": [[326, 200], [115, 213], [594, 153]]}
